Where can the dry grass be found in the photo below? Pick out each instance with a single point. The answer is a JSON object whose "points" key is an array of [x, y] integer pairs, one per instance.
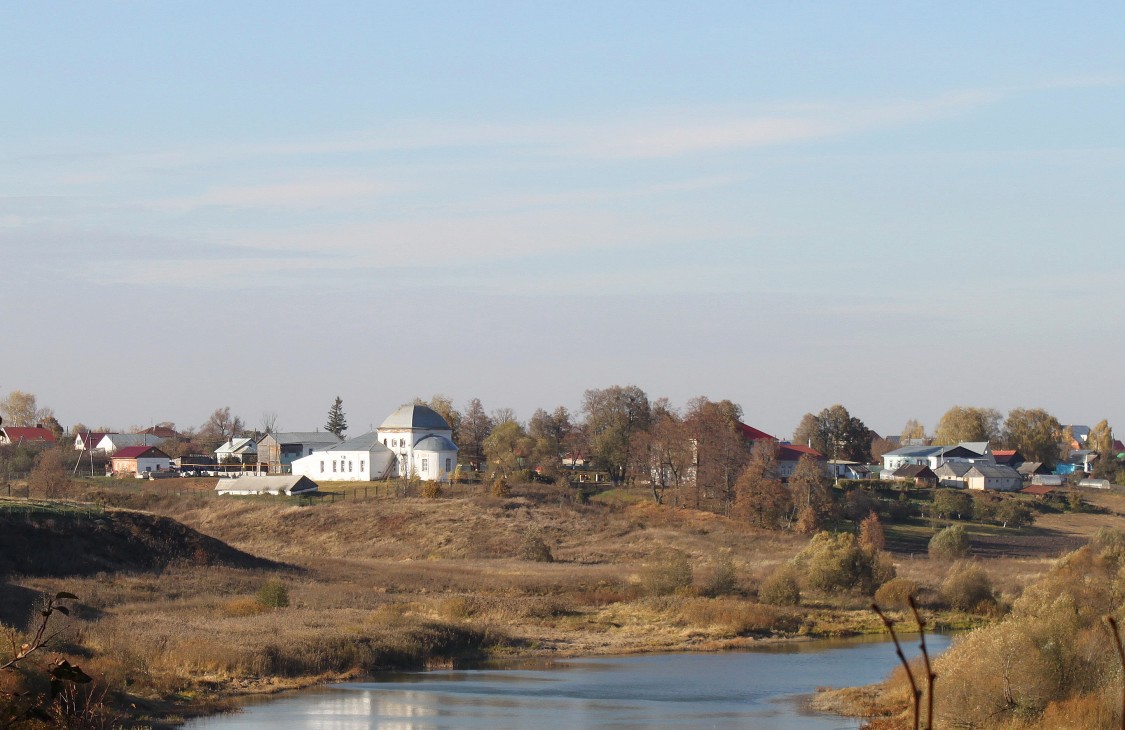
{"points": [[393, 581]]}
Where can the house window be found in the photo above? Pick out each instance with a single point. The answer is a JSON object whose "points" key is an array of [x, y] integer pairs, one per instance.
{"points": [[448, 468], [350, 466], [322, 467], [361, 463], [310, 451], [425, 465], [384, 442], [333, 465]]}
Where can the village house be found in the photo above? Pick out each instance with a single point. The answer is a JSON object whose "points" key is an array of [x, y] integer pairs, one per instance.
{"points": [[278, 451], [952, 474], [240, 450], [920, 474], [360, 459], [139, 460], [111, 443], [26, 436], [993, 477], [88, 440]]}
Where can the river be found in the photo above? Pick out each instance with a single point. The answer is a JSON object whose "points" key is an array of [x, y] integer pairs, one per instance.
{"points": [[761, 689]]}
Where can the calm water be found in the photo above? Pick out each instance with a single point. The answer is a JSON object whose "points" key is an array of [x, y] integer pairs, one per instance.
{"points": [[755, 689]]}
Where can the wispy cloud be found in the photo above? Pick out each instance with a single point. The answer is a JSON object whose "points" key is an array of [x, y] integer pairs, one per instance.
{"points": [[293, 195]]}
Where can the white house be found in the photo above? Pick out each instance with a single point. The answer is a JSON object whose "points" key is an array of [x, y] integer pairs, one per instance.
{"points": [[361, 459], [111, 443], [993, 476], [140, 460], [952, 474], [287, 485], [243, 450]]}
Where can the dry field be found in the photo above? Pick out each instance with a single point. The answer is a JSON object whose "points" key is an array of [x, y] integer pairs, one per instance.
{"points": [[409, 581]]}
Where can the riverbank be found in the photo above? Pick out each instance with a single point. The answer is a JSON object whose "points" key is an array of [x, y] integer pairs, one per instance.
{"points": [[405, 583]]}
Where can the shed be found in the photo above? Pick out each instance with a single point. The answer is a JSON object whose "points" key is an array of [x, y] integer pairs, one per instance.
{"points": [[287, 485]]}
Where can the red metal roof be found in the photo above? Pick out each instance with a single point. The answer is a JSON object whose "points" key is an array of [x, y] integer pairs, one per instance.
{"points": [[16, 434], [793, 452], [135, 452], [753, 434], [91, 438]]}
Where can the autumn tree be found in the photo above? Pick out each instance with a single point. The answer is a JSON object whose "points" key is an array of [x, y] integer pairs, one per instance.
{"points": [[968, 423], [613, 415], [1035, 433], [475, 426], [21, 409], [662, 456], [508, 447], [721, 451], [50, 477], [221, 426], [551, 432], [760, 496], [443, 406], [812, 502], [835, 433], [913, 430], [871, 536], [1100, 438], [952, 503]]}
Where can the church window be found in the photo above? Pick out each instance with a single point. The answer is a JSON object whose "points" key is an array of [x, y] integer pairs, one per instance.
{"points": [[350, 465], [448, 465], [425, 465], [361, 463], [322, 467], [333, 465]]}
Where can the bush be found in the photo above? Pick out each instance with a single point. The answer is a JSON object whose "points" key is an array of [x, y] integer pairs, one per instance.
{"points": [[838, 563], [500, 488], [952, 543], [896, 593], [243, 606], [535, 548], [723, 580], [968, 588], [780, 588], [671, 573], [273, 594], [431, 490], [1014, 513]]}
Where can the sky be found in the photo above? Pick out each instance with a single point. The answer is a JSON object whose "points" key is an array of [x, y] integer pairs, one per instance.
{"points": [[899, 207]]}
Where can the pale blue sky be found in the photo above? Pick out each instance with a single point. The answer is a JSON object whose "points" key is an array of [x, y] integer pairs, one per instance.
{"points": [[895, 206]]}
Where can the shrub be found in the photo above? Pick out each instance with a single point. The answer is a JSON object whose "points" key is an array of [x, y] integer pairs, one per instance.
{"points": [[535, 548], [1014, 513], [431, 490], [671, 573], [723, 579], [243, 606], [780, 588], [952, 543], [871, 535], [838, 563], [896, 593], [273, 594], [968, 588], [500, 487]]}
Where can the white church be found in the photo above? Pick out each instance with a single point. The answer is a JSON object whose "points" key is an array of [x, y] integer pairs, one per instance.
{"points": [[413, 441]]}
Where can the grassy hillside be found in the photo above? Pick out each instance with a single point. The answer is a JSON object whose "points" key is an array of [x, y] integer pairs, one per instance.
{"points": [[408, 581]]}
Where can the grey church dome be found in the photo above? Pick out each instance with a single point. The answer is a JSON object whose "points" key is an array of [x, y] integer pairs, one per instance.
{"points": [[421, 417]]}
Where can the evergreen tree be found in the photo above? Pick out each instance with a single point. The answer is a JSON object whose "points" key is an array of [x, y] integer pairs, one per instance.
{"points": [[337, 423]]}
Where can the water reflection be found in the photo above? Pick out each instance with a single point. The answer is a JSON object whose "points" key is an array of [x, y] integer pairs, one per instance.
{"points": [[759, 689]]}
